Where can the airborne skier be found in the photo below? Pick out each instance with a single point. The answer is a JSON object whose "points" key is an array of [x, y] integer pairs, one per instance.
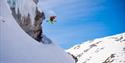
{"points": [[52, 19]]}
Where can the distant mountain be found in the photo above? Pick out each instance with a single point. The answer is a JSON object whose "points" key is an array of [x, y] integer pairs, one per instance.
{"points": [[102, 50]]}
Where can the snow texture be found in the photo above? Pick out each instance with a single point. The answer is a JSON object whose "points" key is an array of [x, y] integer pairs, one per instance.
{"points": [[103, 50], [25, 6], [16, 46]]}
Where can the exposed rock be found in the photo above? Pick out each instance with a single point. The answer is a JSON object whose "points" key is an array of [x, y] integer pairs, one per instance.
{"points": [[109, 49], [37, 30], [32, 29], [36, 1], [110, 59], [75, 58]]}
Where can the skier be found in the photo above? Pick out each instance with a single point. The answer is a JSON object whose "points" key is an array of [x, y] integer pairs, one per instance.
{"points": [[52, 19]]}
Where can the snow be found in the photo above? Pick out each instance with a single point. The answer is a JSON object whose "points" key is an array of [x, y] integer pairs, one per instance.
{"points": [[18, 47], [25, 7], [98, 50]]}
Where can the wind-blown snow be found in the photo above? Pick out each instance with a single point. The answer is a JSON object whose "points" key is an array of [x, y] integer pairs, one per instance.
{"points": [[18, 47], [103, 50]]}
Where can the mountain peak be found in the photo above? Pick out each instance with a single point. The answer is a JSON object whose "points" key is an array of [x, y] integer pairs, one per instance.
{"points": [[109, 49]]}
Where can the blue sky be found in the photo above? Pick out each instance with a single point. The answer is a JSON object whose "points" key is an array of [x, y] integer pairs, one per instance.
{"points": [[82, 20]]}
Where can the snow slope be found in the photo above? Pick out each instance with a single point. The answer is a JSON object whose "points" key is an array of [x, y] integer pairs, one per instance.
{"points": [[103, 50], [16, 46]]}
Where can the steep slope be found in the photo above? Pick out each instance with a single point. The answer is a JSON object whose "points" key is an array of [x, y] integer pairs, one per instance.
{"points": [[16, 46], [103, 50]]}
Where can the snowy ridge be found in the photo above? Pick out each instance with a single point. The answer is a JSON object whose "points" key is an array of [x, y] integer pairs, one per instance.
{"points": [[16, 46], [103, 50]]}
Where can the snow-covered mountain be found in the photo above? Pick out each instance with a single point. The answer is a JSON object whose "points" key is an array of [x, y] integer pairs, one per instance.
{"points": [[16, 46], [102, 50]]}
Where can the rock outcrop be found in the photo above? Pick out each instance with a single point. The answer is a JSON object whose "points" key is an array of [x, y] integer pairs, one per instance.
{"points": [[31, 26]]}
